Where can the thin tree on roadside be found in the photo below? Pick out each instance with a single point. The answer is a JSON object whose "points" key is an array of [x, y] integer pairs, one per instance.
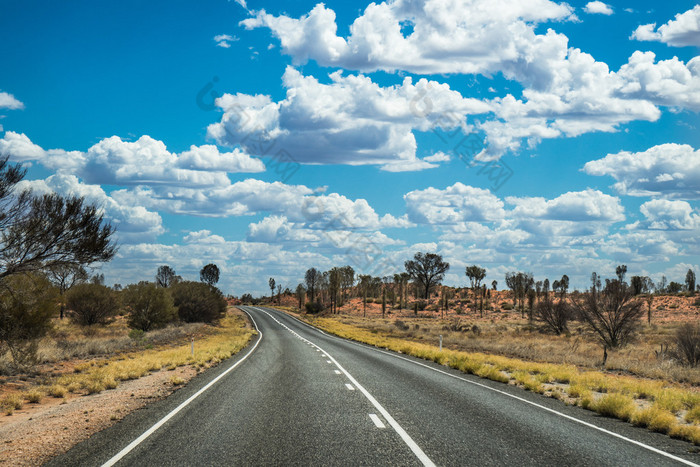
{"points": [[271, 284], [475, 275]]}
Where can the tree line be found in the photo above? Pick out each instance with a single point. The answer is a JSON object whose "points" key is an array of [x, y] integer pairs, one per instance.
{"points": [[611, 307]]}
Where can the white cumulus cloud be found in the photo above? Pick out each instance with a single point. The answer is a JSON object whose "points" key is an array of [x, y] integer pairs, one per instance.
{"points": [[671, 170], [682, 31], [598, 7]]}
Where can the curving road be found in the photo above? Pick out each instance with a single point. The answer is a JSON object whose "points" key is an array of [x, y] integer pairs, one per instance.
{"points": [[297, 396]]}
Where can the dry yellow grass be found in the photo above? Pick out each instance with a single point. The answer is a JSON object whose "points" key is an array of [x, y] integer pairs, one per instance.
{"points": [[662, 406], [99, 375]]}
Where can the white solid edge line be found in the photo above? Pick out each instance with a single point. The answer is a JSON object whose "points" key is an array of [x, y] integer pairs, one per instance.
{"points": [[164, 420], [377, 421], [568, 417], [417, 451]]}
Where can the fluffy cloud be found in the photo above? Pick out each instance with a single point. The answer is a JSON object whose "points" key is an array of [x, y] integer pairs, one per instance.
{"points": [[566, 91], [468, 36], [598, 7], [671, 170], [662, 214], [349, 121], [455, 204], [145, 161], [19, 148], [8, 101], [679, 32], [582, 206], [133, 223]]}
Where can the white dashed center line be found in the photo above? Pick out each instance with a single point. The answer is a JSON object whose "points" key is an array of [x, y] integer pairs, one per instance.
{"points": [[377, 421], [349, 386]]}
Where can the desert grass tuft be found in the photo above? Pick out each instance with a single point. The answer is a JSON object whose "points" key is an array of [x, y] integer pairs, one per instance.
{"points": [[33, 396], [57, 390], [655, 418]]}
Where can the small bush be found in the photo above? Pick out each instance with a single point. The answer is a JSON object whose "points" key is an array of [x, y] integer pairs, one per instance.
{"points": [[198, 302], [687, 350], [401, 325], [150, 307], [421, 304], [92, 304], [33, 396], [314, 308], [57, 391], [27, 303]]}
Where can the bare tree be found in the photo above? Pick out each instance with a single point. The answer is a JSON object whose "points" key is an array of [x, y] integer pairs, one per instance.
{"points": [[300, 291], [554, 314], [475, 275], [687, 349], [165, 276], [428, 270], [612, 312], [271, 284], [64, 277], [312, 277], [209, 274], [520, 283]]}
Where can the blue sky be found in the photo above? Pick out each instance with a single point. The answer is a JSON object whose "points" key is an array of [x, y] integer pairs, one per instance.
{"points": [[534, 135]]}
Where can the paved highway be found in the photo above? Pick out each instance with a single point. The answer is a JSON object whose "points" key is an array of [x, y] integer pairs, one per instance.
{"points": [[297, 396]]}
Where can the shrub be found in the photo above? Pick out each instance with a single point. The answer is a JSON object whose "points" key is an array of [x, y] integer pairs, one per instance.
{"points": [[27, 303], [198, 302], [92, 304], [555, 315], [687, 351], [150, 307], [421, 304], [313, 308]]}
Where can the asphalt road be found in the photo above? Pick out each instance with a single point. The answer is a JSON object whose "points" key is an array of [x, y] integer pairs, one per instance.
{"points": [[297, 396]]}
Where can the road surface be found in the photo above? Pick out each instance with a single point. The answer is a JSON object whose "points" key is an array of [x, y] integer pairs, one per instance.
{"points": [[297, 396]]}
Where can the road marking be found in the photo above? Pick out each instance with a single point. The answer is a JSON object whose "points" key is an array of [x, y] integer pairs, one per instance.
{"points": [[337, 372], [349, 386], [328, 361], [417, 451], [513, 396], [377, 421], [177, 409]]}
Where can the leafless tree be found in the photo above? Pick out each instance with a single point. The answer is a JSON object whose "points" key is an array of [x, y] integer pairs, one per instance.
{"points": [[165, 276], [687, 350], [613, 312], [64, 277]]}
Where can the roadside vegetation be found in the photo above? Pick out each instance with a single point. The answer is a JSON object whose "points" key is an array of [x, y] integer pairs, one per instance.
{"points": [[627, 348], [63, 331]]}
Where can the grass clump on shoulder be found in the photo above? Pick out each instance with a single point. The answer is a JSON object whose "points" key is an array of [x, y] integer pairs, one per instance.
{"points": [[218, 343], [657, 405]]}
